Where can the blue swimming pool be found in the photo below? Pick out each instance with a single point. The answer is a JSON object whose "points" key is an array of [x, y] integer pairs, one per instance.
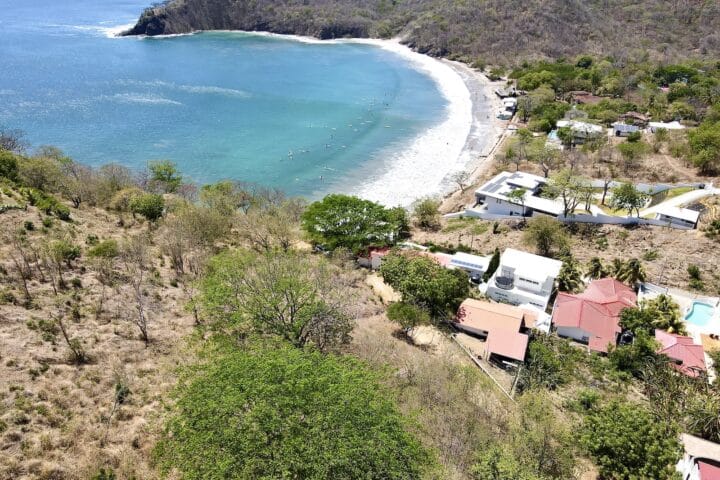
{"points": [[700, 314]]}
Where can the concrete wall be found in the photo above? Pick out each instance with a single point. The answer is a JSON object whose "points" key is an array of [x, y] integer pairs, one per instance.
{"points": [[574, 333], [612, 220], [513, 297], [580, 218], [501, 207]]}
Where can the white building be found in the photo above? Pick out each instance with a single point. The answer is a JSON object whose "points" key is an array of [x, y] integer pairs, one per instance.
{"points": [[582, 130], [473, 264], [493, 195], [701, 460], [523, 278], [623, 130], [655, 126], [678, 216]]}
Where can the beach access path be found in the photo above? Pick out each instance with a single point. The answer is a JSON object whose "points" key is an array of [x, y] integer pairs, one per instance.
{"points": [[487, 132]]}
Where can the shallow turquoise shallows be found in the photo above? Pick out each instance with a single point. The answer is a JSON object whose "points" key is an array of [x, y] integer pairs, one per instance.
{"points": [[700, 314], [308, 118]]}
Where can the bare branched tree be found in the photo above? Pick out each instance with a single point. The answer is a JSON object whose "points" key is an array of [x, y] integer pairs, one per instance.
{"points": [[135, 259]]}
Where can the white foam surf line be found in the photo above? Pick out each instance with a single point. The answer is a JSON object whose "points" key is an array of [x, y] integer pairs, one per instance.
{"points": [[114, 32]]}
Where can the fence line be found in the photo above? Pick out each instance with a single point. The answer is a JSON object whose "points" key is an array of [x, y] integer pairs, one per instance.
{"points": [[482, 367]]}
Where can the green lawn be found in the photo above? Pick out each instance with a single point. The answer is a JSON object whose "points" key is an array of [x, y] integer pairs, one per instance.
{"points": [[675, 192]]}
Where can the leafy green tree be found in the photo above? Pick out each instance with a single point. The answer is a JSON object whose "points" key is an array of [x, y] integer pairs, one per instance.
{"points": [[632, 153], [408, 316], [270, 411], [569, 188], [638, 319], [627, 196], [227, 197], [427, 214], [60, 255], [40, 172], [350, 222], [546, 234], [423, 282], [566, 136], [626, 441], [8, 165], [705, 147], [165, 176], [570, 277], [149, 205], [596, 269], [634, 358], [492, 265], [294, 296], [544, 365]]}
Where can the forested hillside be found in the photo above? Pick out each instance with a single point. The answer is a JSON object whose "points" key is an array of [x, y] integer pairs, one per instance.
{"points": [[473, 30]]}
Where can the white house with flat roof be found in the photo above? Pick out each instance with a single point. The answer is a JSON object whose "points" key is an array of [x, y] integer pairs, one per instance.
{"points": [[473, 264], [494, 195], [523, 278], [678, 216]]}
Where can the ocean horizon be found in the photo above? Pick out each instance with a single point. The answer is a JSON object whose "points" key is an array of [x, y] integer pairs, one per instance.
{"points": [[304, 116]]}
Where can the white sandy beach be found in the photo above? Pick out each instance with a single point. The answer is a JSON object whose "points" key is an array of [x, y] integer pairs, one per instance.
{"points": [[462, 141]]}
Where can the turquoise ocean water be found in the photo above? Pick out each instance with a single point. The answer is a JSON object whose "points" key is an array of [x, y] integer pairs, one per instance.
{"points": [[219, 104]]}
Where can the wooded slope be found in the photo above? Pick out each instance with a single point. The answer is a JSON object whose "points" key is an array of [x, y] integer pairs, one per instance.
{"points": [[474, 30]]}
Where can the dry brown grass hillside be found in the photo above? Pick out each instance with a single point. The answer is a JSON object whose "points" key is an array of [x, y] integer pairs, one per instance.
{"points": [[60, 419]]}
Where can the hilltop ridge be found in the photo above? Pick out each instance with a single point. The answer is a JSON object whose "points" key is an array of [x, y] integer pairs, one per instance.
{"points": [[494, 31]]}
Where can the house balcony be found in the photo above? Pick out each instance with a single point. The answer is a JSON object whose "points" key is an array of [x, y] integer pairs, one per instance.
{"points": [[505, 283]]}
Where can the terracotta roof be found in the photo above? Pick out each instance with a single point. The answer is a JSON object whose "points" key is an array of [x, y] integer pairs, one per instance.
{"points": [[502, 324], [684, 350], [596, 311], [441, 258], [379, 252], [708, 471]]}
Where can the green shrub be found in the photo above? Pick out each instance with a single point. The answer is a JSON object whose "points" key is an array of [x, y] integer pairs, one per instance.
{"points": [[104, 249], [149, 205]]}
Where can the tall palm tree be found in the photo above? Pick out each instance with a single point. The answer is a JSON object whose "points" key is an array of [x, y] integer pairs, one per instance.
{"points": [[667, 314], [616, 268], [596, 269], [632, 272], [570, 278]]}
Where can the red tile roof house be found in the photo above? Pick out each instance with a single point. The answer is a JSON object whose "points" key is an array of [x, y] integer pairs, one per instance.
{"points": [[687, 357], [593, 317], [504, 327]]}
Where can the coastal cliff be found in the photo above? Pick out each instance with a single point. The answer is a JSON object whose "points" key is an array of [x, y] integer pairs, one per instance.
{"points": [[496, 31]]}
